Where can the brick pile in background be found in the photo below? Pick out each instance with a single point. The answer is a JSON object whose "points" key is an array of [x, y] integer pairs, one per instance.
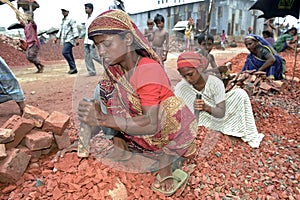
{"points": [[53, 51], [257, 83], [29, 137], [16, 58], [239, 60], [13, 42], [12, 56]]}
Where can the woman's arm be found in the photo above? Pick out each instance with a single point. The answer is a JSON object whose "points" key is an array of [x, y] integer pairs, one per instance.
{"points": [[269, 62], [146, 124], [218, 111]]}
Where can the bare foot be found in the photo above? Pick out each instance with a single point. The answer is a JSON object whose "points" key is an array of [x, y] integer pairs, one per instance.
{"points": [[165, 170], [121, 151]]}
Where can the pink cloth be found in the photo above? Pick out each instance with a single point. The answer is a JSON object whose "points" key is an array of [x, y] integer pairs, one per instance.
{"points": [[31, 37]]}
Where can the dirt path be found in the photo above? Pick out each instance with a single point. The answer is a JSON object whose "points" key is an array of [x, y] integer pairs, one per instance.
{"points": [[55, 90]]}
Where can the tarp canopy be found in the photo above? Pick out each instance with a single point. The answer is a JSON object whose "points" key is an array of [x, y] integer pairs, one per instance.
{"points": [[15, 26], [180, 25], [52, 31], [277, 8]]}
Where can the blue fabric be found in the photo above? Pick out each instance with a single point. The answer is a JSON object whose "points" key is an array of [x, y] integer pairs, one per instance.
{"points": [[260, 39], [68, 54], [9, 86], [276, 70], [253, 63]]}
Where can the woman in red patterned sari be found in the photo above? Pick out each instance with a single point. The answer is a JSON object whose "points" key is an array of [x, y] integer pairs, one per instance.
{"points": [[137, 94]]}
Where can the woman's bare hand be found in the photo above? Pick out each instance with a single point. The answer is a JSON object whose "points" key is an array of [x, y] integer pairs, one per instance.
{"points": [[90, 112], [199, 104]]}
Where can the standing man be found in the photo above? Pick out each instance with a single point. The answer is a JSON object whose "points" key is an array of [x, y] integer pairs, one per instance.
{"points": [[68, 36], [90, 52], [32, 41]]}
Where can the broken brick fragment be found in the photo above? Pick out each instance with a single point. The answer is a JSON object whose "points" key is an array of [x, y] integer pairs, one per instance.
{"points": [[56, 123], [20, 129], [6, 135], [36, 114], [13, 166]]}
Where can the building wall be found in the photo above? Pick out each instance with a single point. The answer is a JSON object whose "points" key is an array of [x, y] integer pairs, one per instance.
{"points": [[231, 15], [234, 17], [174, 14]]}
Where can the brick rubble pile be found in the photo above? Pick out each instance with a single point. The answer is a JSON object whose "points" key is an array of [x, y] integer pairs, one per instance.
{"points": [[27, 138]]}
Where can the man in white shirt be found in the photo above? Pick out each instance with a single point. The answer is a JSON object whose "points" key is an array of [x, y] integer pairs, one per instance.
{"points": [[68, 35], [90, 52]]}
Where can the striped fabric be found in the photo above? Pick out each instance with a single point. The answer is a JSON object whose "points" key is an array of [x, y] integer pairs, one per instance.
{"points": [[238, 120], [9, 86]]}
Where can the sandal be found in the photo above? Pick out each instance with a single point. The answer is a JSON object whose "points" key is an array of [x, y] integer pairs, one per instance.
{"points": [[179, 178]]}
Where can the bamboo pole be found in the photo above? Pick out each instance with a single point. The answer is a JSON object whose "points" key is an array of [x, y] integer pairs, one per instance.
{"points": [[211, 3], [295, 60]]}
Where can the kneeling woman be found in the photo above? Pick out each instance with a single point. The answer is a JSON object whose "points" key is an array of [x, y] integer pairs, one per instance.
{"points": [[229, 113], [141, 107], [263, 57]]}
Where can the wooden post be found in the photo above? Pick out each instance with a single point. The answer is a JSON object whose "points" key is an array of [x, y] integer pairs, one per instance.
{"points": [[295, 60]]}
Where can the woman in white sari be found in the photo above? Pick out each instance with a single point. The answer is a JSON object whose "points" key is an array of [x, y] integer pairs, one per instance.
{"points": [[230, 113]]}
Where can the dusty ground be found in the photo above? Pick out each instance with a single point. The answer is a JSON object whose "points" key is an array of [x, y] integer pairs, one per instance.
{"points": [[228, 168]]}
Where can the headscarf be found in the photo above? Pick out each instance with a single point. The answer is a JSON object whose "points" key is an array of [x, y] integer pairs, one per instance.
{"points": [[191, 59], [116, 21], [261, 42]]}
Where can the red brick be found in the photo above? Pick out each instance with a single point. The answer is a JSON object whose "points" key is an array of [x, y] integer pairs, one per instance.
{"points": [[62, 141], [36, 114], [34, 154], [48, 150], [56, 123], [21, 128], [265, 86], [2, 151], [37, 140], [13, 166], [6, 135], [57, 193], [9, 124]]}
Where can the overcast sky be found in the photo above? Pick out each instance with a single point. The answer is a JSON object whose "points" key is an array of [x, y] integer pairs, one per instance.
{"points": [[49, 14]]}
